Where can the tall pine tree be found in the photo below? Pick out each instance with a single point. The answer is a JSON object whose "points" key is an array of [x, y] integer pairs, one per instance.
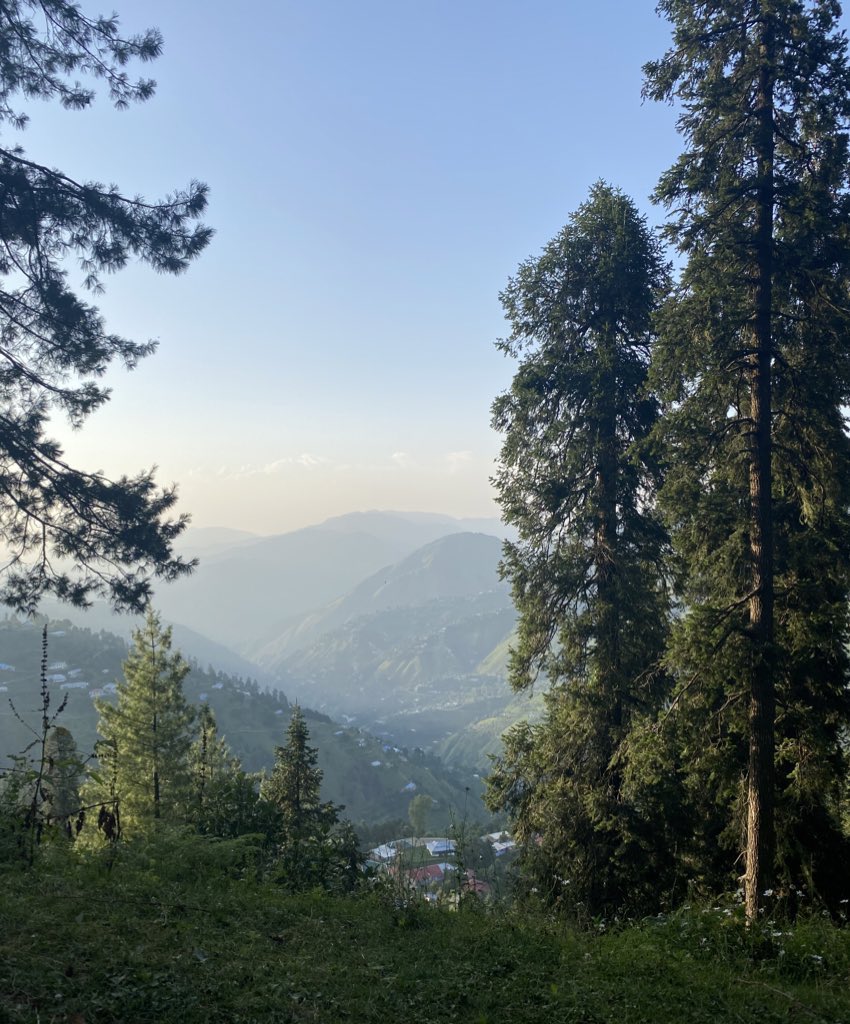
{"points": [[314, 848], [150, 731], [754, 360], [576, 480]]}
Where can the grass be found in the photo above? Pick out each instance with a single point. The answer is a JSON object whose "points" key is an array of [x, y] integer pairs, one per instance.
{"points": [[162, 941]]}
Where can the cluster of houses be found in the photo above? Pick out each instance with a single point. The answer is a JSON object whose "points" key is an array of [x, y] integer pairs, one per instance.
{"points": [[429, 866], [66, 678]]}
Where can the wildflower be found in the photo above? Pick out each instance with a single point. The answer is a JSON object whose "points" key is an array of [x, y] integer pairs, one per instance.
{"points": [[768, 892]]}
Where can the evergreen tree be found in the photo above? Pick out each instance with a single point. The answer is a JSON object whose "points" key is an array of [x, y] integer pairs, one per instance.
{"points": [[753, 362], [314, 847], [225, 800], [150, 730], [53, 343], [210, 760], [63, 778], [576, 479]]}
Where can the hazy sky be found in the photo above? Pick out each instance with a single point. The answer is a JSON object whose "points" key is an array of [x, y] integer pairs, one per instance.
{"points": [[377, 170]]}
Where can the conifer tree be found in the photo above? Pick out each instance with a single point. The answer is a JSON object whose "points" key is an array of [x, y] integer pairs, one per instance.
{"points": [[63, 778], [314, 847], [576, 480], [753, 363], [225, 800], [54, 344], [150, 730]]}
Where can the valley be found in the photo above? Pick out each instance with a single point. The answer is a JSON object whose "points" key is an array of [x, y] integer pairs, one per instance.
{"points": [[402, 675]]}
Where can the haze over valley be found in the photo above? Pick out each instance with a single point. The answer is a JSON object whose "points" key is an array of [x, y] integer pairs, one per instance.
{"points": [[394, 625]]}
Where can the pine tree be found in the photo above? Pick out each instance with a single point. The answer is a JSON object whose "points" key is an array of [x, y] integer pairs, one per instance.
{"points": [[210, 760], [63, 778], [55, 344], [753, 362], [314, 847], [225, 800], [150, 731], [576, 479]]}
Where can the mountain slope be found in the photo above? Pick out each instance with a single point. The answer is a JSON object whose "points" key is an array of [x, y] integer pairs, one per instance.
{"points": [[458, 566], [245, 593], [373, 777], [416, 651]]}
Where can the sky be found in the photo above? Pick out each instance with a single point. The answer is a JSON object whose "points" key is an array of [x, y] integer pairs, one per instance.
{"points": [[378, 170]]}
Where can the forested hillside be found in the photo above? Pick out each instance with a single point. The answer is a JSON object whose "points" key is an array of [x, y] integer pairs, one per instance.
{"points": [[374, 778]]}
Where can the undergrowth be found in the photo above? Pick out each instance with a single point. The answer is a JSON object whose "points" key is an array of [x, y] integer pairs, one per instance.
{"points": [[149, 938]]}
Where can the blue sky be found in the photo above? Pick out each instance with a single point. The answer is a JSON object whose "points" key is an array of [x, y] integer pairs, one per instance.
{"points": [[377, 171]]}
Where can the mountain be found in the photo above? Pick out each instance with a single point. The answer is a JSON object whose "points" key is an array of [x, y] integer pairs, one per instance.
{"points": [[194, 645], [458, 566], [417, 650], [246, 592], [374, 777], [208, 541]]}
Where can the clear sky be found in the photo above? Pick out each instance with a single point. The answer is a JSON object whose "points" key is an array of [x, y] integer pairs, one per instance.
{"points": [[377, 170]]}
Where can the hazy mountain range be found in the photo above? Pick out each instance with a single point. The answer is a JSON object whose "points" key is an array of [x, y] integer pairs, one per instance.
{"points": [[395, 621]]}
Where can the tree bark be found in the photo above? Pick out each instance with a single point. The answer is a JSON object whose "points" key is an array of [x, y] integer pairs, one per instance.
{"points": [[761, 840]]}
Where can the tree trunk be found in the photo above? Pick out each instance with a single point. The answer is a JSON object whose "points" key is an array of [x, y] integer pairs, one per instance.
{"points": [[761, 841], [607, 591]]}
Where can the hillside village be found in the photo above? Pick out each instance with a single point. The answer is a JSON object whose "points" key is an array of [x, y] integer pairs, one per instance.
{"points": [[439, 868]]}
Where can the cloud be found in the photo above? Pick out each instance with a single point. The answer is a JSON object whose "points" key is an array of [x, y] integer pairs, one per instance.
{"points": [[251, 469], [457, 460], [305, 459], [402, 459]]}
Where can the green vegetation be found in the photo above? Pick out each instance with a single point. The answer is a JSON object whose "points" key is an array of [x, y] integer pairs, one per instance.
{"points": [[147, 733], [698, 714], [164, 937], [752, 363], [252, 721], [676, 464], [577, 479]]}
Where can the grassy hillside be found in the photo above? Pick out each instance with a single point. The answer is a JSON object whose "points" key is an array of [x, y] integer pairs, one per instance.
{"points": [[161, 940]]}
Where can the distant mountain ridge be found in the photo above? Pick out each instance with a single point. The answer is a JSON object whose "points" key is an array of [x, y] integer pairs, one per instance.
{"points": [[246, 593], [418, 649], [460, 565]]}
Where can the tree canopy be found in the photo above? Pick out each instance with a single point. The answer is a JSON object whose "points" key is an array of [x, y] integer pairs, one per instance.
{"points": [[54, 344], [576, 479], [752, 363], [148, 732]]}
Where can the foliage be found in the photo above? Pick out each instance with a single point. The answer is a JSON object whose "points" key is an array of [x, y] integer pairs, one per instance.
{"points": [[225, 800], [576, 479], [752, 362], [214, 945], [314, 847], [39, 791], [53, 343], [149, 732]]}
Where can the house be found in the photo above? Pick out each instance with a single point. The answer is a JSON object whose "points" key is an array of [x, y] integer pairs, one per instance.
{"points": [[383, 853], [432, 874], [440, 847]]}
